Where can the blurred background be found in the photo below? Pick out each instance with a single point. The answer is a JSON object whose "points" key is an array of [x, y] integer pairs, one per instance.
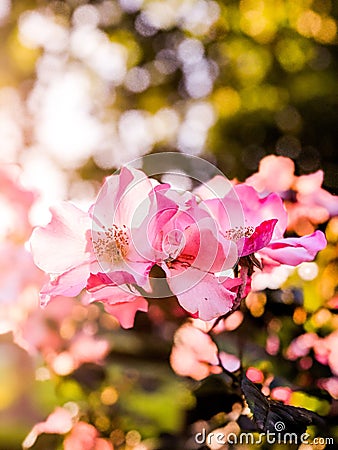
{"points": [[86, 86]]}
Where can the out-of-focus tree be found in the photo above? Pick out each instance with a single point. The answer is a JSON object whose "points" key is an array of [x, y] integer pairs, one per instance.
{"points": [[88, 85]]}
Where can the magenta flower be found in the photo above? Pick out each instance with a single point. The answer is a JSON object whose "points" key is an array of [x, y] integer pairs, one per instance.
{"points": [[245, 218], [264, 222], [294, 251], [198, 268], [291, 251]]}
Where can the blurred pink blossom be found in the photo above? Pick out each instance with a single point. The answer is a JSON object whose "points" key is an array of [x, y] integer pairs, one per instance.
{"points": [[56, 334], [255, 375], [326, 351], [60, 421], [85, 348], [275, 174], [282, 394], [78, 435], [64, 251], [84, 436], [301, 346], [194, 354], [20, 281], [16, 202], [272, 344], [231, 323], [331, 385], [229, 362], [311, 205], [36, 333]]}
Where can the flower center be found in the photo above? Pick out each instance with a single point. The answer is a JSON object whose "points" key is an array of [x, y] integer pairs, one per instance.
{"points": [[237, 233], [112, 244]]}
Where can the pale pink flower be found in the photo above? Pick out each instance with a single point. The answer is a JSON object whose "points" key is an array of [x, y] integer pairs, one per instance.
{"points": [[127, 218], [64, 251], [244, 217], [264, 220], [127, 221], [194, 354]]}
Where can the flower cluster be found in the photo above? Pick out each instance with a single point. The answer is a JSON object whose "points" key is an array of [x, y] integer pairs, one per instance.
{"points": [[208, 243]]}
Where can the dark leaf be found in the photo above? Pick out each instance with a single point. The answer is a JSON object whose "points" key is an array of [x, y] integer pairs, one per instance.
{"points": [[273, 416], [89, 375]]}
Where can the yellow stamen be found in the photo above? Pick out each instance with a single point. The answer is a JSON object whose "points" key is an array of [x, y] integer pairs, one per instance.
{"points": [[237, 233], [112, 244]]}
